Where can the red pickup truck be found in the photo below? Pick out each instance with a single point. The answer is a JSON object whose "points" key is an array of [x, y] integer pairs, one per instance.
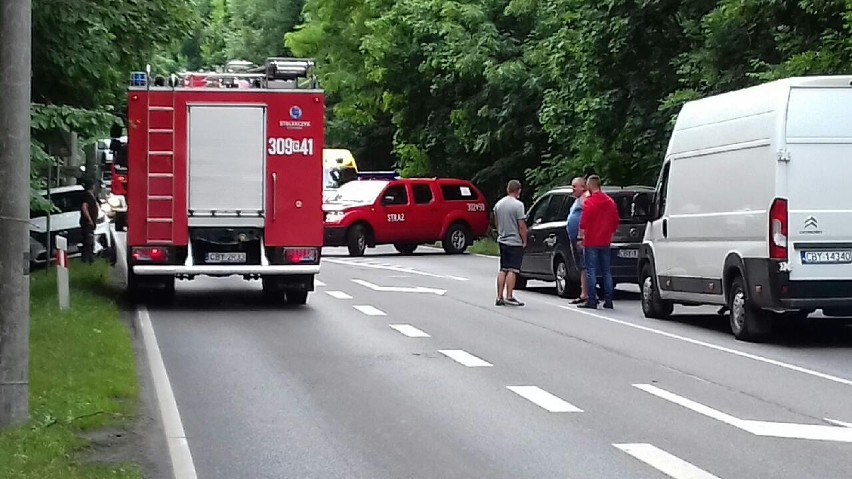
{"points": [[405, 213]]}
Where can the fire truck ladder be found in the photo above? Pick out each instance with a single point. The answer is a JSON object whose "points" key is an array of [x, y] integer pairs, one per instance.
{"points": [[160, 166]]}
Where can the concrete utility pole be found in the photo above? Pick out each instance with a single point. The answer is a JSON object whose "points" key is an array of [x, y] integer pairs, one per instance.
{"points": [[15, 91]]}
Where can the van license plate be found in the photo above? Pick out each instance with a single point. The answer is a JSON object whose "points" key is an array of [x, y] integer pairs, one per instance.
{"points": [[226, 257], [628, 253], [827, 257]]}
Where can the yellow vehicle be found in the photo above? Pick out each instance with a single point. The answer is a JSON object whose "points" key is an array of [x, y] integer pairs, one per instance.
{"points": [[338, 167]]}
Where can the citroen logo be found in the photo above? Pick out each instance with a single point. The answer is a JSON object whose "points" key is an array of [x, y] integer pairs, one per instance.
{"points": [[811, 222]]}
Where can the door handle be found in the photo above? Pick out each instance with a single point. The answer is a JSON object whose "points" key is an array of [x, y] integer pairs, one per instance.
{"points": [[274, 195], [665, 228]]}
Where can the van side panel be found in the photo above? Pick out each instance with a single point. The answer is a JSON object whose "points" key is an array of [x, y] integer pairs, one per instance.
{"points": [[819, 173], [717, 205]]}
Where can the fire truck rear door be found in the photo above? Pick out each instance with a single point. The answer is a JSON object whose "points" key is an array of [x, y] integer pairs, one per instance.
{"points": [[227, 155]]}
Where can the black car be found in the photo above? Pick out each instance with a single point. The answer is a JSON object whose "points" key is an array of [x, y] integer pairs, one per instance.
{"points": [[548, 256]]}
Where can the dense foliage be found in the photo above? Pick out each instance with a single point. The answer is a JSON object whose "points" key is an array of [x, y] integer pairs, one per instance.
{"points": [[547, 89], [540, 90], [82, 54]]}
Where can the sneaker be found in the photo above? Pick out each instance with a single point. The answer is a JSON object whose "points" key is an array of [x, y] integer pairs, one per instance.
{"points": [[608, 305], [500, 302], [514, 302], [579, 300], [587, 305]]}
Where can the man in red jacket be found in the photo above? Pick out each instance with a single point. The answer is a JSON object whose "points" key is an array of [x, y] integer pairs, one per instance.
{"points": [[597, 226]]}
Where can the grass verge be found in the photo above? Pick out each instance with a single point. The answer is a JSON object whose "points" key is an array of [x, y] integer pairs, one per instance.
{"points": [[82, 381]]}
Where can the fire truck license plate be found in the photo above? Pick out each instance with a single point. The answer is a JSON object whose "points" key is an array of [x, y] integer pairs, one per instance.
{"points": [[226, 257]]}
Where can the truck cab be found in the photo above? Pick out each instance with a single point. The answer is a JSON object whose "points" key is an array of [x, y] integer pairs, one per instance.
{"points": [[405, 213]]}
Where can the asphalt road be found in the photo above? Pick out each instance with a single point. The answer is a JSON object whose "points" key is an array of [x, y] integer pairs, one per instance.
{"points": [[438, 382]]}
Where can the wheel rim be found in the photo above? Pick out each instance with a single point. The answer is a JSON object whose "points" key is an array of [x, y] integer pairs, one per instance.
{"points": [[561, 274], [647, 291], [738, 311], [362, 242], [457, 239]]}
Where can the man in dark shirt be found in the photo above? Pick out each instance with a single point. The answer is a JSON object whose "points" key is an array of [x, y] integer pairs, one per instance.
{"points": [[88, 216], [598, 224]]}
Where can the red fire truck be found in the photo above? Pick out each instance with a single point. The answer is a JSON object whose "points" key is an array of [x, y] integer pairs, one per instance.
{"points": [[226, 181]]}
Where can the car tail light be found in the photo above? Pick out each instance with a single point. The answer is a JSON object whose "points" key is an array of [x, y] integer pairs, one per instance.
{"points": [[778, 229], [301, 255], [148, 254]]}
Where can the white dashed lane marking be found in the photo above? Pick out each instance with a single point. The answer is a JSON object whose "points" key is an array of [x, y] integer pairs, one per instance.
{"points": [[409, 331], [543, 399], [465, 358], [318, 283], [369, 310], [338, 294], [664, 462]]}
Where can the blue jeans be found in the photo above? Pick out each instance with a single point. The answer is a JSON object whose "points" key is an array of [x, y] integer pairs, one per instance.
{"points": [[599, 258]]}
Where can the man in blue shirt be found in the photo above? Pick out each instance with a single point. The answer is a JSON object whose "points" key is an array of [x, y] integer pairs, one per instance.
{"points": [[580, 192]]}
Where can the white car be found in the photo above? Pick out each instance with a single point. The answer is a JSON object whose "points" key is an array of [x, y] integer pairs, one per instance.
{"points": [[66, 222], [751, 211]]}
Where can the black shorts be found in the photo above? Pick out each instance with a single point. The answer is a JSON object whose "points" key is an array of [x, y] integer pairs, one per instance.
{"points": [[579, 257], [511, 258]]}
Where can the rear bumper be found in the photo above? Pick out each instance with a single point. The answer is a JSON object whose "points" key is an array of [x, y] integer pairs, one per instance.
{"points": [[223, 270], [777, 291], [624, 269]]}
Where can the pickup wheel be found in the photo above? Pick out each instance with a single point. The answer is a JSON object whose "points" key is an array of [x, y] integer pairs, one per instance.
{"points": [[297, 297], [405, 248], [652, 305], [357, 240], [456, 239]]}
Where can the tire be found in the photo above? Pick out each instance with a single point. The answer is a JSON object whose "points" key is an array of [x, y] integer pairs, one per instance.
{"points": [[652, 306], [297, 298], [748, 323], [565, 286], [357, 240], [457, 239], [405, 248]]}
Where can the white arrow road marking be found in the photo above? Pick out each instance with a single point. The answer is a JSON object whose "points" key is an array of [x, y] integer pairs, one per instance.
{"points": [[399, 289], [465, 358], [389, 267], [409, 331], [839, 423], [338, 295], [369, 310], [664, 462], [543, 399], [758, 428]]}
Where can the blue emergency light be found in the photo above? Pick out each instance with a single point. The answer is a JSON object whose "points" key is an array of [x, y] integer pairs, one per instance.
{"points": [[138, 79]]}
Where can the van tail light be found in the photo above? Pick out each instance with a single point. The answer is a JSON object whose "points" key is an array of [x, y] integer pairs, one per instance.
{"points": [[778, 229], [301, 255], [149, 254]]}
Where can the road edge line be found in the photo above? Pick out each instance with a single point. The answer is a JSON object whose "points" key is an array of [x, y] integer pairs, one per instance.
{"points": [[178, 445]]}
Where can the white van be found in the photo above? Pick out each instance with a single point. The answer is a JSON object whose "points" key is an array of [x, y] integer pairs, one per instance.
{"points": [[751, 209]]}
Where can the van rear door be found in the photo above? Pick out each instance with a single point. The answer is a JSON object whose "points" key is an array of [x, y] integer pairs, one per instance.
{"points": [[818, 173]]}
